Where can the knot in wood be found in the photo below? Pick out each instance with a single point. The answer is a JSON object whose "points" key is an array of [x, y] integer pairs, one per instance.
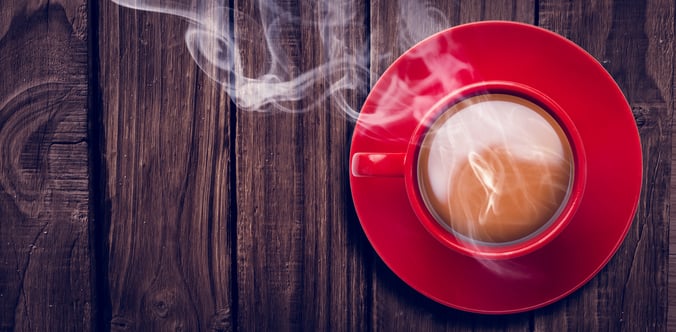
{"points": [[161, 303]]}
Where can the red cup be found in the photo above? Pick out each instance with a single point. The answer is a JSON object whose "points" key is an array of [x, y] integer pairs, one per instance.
{"points": [[407, 165]]}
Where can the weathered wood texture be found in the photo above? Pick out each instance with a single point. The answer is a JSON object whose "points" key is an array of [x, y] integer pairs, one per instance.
{"points": [[167, 168], [214, 218], [45, 263]]}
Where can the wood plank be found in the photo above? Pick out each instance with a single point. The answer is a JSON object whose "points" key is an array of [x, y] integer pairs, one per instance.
{"points": [[45, 260], [168, 177], [396, 26], [634, 41], [671, 312], [671, 289], [300, 253], [671, 285]]}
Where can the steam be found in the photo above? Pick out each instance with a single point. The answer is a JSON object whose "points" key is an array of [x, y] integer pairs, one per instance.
{"points": [[415, 29], [217, 46]]}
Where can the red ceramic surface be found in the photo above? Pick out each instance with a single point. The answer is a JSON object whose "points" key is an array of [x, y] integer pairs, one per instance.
{"points": [[505, 52]]}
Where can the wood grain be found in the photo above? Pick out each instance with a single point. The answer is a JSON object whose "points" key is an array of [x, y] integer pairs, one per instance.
{"points": [[167, 161], [45, 262], [207, 217], [397, 307], [634, 41], [300, 252]]}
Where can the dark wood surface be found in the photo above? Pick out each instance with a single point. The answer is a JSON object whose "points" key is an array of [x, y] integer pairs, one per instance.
{"points": [[45, 258], [135, 195], [166, 165]]}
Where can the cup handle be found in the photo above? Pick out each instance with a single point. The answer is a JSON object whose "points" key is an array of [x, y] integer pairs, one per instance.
{"points": [[378, 164]]}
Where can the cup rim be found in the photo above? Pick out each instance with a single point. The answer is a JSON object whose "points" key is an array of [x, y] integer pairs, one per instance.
{"points": [[509, 250]]}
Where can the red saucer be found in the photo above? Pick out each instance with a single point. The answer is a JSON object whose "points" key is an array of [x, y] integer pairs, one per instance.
{"points": [[500, 51]]}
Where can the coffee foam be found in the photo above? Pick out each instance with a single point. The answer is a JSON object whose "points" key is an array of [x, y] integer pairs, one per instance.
{"points": [[495, 168]]}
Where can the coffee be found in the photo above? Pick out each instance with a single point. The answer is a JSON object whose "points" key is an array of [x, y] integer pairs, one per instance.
{"points": [[495, 168]]}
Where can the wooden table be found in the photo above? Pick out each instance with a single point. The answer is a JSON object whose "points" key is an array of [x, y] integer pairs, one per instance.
{"points": [[134, 195]]}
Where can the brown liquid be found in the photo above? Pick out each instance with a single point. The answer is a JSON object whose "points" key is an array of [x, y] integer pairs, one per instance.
{"points": [[496, 172]]}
